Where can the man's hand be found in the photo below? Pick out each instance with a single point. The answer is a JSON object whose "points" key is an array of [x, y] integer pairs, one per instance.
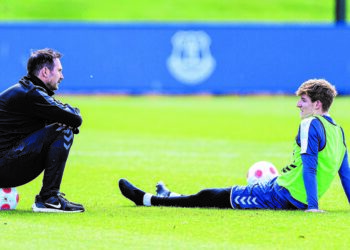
{"points": [[314, 210]]}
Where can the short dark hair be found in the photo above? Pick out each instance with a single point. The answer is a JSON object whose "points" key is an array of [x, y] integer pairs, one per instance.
{"points": [[42, 58], [318, 90]]}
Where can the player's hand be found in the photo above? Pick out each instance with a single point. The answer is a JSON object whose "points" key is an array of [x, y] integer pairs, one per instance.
{"points": [[314, 210]]}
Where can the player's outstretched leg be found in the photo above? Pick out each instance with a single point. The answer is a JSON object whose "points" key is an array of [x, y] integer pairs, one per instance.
{"points": [[215, 197], [131, 192]]}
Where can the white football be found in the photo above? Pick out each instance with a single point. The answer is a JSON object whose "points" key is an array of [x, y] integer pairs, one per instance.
{"points": [[261, 172], [9, 198]]}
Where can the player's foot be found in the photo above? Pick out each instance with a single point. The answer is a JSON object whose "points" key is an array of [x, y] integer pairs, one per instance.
{"points": [[56, 204], [131, 192], [162, 190]]}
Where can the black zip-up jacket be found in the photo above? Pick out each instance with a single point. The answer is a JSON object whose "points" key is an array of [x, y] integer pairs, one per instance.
{"points": [[29, 106]]}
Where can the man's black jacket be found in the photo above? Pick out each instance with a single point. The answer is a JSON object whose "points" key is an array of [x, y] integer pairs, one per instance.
{"points": [[29, 106]]}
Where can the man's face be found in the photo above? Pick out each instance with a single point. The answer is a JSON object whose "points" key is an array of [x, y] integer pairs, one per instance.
{"points": [[306, 106], [55, 76]]}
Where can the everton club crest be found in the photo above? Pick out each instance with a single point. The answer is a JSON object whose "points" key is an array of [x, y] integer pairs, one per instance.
{"points": [[191, 61]]}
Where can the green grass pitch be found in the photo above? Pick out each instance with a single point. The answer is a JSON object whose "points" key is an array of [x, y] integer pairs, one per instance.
{"points": [[190, 143]]}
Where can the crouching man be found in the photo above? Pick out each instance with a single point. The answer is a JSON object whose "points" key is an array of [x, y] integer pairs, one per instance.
{"points": [[37, 132]]}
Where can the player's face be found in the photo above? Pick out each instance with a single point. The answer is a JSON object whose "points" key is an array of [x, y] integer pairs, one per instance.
{"points": [[55, 76], [306, 106]]}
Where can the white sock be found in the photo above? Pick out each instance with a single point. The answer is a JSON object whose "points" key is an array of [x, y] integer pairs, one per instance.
{"points": [[147, 199]]}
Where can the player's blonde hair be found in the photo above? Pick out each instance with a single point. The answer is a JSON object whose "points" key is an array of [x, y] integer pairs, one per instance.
{"points": [[318, 90]]}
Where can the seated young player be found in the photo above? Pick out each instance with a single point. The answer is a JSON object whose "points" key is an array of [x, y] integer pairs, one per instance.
{"points": [[319, 154]]}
